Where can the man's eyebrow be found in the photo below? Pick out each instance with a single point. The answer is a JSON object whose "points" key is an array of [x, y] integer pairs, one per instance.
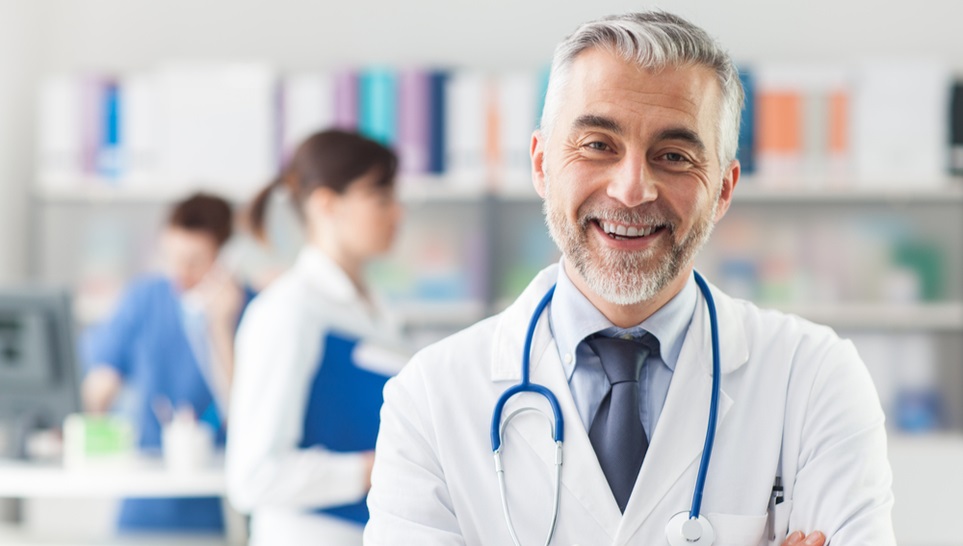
{"points": [[592, 121], [683, 134]]}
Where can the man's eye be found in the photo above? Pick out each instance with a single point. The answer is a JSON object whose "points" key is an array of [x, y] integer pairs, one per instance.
{"points": [[675, 158], [598, 145]]}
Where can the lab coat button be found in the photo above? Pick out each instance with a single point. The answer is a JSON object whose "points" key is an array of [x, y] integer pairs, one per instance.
{"points": [[568, 360]]}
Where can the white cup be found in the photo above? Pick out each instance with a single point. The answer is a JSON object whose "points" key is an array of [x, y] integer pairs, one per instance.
{"points": [[187, 444]]}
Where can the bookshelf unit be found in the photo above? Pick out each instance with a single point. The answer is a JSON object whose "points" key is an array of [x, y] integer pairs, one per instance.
{"points": [[501, 213], [516, 244]]}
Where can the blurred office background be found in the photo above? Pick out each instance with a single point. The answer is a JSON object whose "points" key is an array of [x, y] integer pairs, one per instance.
{"points": [[848, 212]]}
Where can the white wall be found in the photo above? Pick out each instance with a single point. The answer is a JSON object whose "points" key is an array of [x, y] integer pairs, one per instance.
{"points": [[42, 36], [17, 74], [496, 33]]}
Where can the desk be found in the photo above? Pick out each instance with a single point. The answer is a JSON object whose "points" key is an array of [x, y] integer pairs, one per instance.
{"points": [[141, 477], [138, 477], [10, 536]]}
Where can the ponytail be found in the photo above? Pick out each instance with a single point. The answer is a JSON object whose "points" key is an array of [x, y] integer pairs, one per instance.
{"points": [[257, 213]]}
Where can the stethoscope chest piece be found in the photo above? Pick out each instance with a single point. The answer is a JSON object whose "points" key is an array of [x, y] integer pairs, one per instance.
{"points": [[685, 531]]}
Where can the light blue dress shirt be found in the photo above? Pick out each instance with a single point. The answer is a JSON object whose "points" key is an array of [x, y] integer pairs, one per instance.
{"points": [[573, 318]]}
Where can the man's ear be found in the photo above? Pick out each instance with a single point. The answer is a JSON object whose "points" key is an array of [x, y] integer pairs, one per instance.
{"points": [[537, 153], [729, 180]]}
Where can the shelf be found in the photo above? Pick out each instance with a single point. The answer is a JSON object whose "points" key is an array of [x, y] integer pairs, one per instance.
{"points": [[97, 192], [517, 190], [412, 190], [751, 194], [431, 189], [441, 313], [750, 191], [943, 316], [926, 443]]}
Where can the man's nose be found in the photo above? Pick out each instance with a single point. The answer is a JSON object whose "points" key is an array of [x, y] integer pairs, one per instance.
{"points": [[632, 184]]}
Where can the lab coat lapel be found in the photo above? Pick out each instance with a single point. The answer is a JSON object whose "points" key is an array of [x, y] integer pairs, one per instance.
{"points": [[508, 341], [582, 476], [679, 438]]}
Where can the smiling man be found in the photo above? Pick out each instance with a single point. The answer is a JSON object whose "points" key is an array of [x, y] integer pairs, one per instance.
{"points": [[635, 161]]}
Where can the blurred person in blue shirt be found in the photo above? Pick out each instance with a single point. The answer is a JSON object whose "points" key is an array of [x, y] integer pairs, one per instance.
{"points": [[170, 344]]}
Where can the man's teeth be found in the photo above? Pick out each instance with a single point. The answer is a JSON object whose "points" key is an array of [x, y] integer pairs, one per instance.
{"points": [[627, 231]]}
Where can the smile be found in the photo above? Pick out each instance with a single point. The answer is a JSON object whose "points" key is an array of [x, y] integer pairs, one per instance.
{"points": [[624, 231]]}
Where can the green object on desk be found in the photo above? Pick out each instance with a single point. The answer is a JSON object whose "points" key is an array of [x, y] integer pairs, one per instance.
{"points": [[106, 436], [98, 435]]}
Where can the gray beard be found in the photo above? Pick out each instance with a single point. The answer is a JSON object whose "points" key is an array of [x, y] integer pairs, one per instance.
{"points": [[625, 278]]}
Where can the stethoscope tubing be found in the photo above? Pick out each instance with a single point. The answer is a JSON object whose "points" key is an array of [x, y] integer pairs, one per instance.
{"points": [[525, 385], [714, 399]]}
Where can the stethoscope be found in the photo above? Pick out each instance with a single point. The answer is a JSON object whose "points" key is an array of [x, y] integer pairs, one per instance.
{"points": [[685, 528]]}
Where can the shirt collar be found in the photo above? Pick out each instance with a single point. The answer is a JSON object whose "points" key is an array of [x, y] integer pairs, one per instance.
{"points": [[573, 318], [324, 275]]}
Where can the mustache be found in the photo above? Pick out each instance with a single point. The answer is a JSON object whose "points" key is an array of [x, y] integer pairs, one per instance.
{"points": [[644, 215]]}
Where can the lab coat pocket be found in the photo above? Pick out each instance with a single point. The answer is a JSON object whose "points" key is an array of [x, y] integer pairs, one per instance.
{"points": [[737, 530], [780, 525]]}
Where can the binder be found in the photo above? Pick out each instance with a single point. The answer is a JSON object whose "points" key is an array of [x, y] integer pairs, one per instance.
{"points": [[746, 152], [60, 146], [346, 99], [307, 106], [343, 409], [466, 124], [109, 161], [414, 115], [956, 129], [378, 114], [437, 122], [517, 107], [139, 125]]}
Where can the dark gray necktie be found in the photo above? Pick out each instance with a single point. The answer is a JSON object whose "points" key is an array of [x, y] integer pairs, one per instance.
{"points": [[616, 432]]}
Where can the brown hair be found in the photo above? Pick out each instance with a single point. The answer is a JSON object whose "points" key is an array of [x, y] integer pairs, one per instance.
{"points": [[204, 213], [328, 159]]}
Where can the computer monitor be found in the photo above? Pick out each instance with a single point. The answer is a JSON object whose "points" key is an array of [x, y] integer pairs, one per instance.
{"points": [[38, 364]]}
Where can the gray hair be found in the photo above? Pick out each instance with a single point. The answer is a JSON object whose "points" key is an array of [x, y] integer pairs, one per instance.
{"points": [[653, 40]]}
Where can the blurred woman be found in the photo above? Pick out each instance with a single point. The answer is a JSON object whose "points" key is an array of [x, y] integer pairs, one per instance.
{"points": [[170, 342], [307, 396]]}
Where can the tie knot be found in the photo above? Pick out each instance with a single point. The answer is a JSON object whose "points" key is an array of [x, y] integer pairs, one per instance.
{"points": [[622, 359]]}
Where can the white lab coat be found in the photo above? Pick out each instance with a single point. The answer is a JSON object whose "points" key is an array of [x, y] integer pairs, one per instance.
{"points": [[796, 401], [279, 348]]}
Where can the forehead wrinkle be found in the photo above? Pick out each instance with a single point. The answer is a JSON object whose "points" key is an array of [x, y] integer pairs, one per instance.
{"points": [[603, 99], [689, 108], [597, 78]]}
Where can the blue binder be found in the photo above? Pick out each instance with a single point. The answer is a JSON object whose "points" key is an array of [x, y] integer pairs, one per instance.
{"points": [[436, 124], [379, 105], [343, 411], [746, 153]]}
